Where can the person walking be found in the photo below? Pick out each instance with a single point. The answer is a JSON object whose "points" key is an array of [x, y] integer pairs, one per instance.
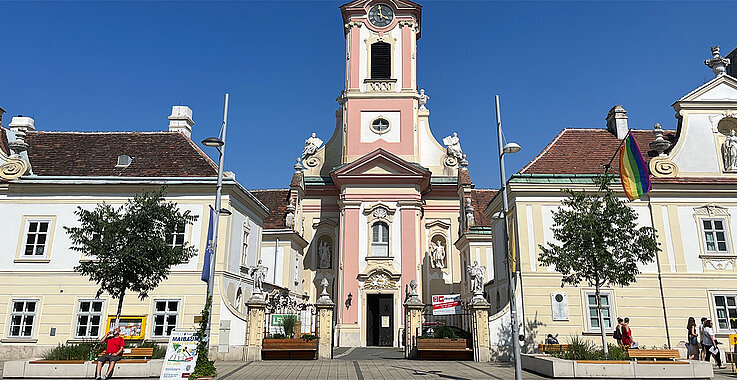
{"points": [[618, 331], [693, 340], [627, 334], [710, 344], [702, 352]]}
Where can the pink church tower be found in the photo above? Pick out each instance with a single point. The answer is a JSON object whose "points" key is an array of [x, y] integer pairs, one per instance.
{"points": [[382, 203]]}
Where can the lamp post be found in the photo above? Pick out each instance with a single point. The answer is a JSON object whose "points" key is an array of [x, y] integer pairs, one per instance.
{"points": [[503, 149], [218, 144]]}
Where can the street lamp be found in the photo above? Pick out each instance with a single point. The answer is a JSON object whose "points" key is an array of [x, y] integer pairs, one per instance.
{"points": [[218, 144], [504, 149]]}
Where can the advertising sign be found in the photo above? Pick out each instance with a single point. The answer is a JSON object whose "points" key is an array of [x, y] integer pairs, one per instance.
{"points": [[131, 327], [181, 355], [449, 304]]}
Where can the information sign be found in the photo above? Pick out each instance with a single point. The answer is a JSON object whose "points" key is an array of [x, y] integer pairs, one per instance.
{"points": [[449, 304], [181, 355]]}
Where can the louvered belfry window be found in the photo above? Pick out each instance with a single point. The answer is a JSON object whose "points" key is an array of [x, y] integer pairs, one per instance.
{"points": [[381, 60]]}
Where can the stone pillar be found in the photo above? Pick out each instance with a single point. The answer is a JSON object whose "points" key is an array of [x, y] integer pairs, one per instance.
{"points": [[325, 308], [480, 314], [255, 327], [412, 321]]}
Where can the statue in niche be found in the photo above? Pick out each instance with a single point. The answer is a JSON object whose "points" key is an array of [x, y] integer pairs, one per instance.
{"points": [[323, 251], [437, 254], [729, 152], [258, 273], [453, 146], [312, 144], [476, 272]]}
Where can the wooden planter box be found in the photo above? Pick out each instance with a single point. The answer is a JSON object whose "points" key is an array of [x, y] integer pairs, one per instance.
{"points": [[289, 349], [435, 348]]}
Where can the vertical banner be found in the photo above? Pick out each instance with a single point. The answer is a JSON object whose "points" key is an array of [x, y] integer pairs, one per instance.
{"points": [[181, 355], [209, 249], [512, 244]]}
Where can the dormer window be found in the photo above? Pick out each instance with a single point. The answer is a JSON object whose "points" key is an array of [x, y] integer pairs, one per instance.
{"points": [[381, 60], [124, 161]]}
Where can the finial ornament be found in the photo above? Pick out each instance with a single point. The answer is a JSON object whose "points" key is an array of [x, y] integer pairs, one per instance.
{"points": [[413, 287], [298, 166], [324, 283], [717, 64], [660, 144], [423, 99]]}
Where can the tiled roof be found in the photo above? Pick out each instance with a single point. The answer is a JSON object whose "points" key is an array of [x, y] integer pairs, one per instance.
{"points": [[155, 154], [586, 151], [276, 200], [479, 199], [4, 142], [464, 178]]}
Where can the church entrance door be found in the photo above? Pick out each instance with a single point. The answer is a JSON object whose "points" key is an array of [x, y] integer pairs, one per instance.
{"points": [[380, 320]]}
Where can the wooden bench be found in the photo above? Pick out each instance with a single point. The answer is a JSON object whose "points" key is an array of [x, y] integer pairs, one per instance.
{"points": [[134, 354], [552, 347], [288, 349], [431, 348], [653, 354]]}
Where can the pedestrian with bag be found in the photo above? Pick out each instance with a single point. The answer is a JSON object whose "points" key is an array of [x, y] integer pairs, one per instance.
{"points": [[693, 340], [618, 331], [710, 344], [702, 352]]}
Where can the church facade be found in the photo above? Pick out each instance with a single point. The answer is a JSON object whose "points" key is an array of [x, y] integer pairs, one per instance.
{"points": [[381, 203]]}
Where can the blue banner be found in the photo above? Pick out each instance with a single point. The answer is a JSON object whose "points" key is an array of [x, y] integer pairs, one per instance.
{"points": [[210, 249]]}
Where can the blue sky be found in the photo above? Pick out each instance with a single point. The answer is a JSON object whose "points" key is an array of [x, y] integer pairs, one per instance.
{"points": [[108, 66]]}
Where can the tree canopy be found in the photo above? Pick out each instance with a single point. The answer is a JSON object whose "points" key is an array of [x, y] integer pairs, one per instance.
{"points": [[130, 248]]}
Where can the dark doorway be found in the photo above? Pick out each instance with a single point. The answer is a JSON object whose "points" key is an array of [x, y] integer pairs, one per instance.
{"points": [[380, 320]]}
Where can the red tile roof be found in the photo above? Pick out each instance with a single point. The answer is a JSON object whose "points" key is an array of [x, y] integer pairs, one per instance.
{"points": [[479, 199], [586, 151], [155, 154], [276, 200]]}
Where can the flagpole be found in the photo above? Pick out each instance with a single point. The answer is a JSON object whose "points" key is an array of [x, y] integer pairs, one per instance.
{"points": [[218, 192], [660, 278]]}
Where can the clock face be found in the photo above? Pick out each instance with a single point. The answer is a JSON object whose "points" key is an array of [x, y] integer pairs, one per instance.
{"points": [[380, 15]]}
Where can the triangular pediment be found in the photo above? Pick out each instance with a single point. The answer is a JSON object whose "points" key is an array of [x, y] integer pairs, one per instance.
{"points": [[380, 165], [720, 89]]}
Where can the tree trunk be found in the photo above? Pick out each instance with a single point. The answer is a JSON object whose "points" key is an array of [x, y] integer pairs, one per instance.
{"points": [[601, 323], [120, 308]]}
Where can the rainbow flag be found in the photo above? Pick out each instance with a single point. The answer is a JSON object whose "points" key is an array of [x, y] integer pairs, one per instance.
{"points": [[632, 169]]}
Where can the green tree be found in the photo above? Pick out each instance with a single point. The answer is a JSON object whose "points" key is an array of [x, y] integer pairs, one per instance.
{"points": [[599, 242], [130, 248]]}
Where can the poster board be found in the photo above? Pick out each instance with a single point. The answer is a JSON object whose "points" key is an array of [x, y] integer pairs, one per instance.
{"points": [[131, 326], [181, 355], [448, 304]]}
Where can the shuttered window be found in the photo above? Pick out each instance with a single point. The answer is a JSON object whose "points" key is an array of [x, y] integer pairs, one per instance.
{"points": [[381, 61]]}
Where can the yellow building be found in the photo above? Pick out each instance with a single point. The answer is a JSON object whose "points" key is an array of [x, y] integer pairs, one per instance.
{"points": [[46, 175], [691, 205]]}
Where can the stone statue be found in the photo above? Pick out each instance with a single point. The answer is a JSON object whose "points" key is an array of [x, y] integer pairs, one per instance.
{"points": [[324, 283], [289, 219], [453, 146], [729, 152], [470, 219], [312, 144], [476, 273], [437, 255], [423, 100], [324, 252], [258, 274]]}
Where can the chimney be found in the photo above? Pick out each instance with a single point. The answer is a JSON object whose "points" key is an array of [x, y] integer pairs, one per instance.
{"points": [[21, 123], [616, 122], [180, 120]]}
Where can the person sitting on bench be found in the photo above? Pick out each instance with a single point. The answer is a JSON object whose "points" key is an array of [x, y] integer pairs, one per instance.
{"points": [[113, 353]]}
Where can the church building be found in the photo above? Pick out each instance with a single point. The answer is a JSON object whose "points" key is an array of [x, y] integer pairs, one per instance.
{"points": [[381, 203]]}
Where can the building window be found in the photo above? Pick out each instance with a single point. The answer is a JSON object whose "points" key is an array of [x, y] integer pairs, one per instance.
{"points": [[380, 125], [22, 318], [380, 240], [166, 313], [89, 318], [36, 238], [244, 248], [606, 311], [176, 238], [725, 309], [715, 236], [381, 60]]}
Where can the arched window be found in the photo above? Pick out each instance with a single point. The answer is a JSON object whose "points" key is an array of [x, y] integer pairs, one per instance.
{"points": [[381, 60], [380, 240]]}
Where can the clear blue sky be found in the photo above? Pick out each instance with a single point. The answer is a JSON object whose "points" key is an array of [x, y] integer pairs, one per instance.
{"points": [[107, 66]]}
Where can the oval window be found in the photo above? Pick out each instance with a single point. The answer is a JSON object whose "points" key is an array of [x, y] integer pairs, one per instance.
{"points": [[380, 125]]}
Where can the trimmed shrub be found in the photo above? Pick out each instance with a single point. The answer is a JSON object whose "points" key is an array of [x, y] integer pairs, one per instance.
{"points": [[444, 332], [74, 351]]}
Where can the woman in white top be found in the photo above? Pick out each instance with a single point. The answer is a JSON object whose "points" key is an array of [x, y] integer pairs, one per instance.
{"points": [[710, 344]]}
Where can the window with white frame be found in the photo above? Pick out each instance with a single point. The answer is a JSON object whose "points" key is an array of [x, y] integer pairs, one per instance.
{"points": [[380, 240], [22, 318], [725, 309], [37, 234], [715, 235], [176, 237], [89, 319], [244, 247], [166, 313], [606, 311]]}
